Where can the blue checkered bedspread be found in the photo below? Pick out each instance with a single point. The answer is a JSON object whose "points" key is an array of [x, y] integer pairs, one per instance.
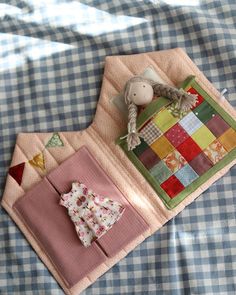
{"points": [[51, 64]]}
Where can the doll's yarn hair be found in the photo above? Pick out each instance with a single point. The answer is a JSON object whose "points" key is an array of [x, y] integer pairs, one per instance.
{"points": [[133, 136], [184, 102]]}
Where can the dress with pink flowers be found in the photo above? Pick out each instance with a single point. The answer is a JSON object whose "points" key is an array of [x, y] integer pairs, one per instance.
{"points": [[93, 215]]}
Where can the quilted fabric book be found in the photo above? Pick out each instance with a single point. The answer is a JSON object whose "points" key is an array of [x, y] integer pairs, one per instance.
{"points": [[177, 160]]}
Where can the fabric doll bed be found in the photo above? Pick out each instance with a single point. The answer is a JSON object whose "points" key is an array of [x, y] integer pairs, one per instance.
{"points": [[97, 145]]}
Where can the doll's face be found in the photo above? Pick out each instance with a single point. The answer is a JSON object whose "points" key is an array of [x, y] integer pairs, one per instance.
{"points": [[141, 93]]}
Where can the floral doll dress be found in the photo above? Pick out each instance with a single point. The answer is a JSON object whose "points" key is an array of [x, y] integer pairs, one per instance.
{"points": [[93, 215]]}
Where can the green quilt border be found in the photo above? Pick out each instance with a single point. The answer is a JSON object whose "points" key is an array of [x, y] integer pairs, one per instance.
{"points": [[155, 107]]}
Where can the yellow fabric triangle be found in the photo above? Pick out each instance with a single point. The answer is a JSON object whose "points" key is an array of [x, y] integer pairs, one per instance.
{"points": [[38, 161]]}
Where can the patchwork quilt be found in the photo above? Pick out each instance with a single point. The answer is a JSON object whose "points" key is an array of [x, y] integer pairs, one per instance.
{"points": [[179, 153]]}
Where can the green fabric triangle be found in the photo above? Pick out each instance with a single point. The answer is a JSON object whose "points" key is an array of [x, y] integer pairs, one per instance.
{"points": [[55, 141]]}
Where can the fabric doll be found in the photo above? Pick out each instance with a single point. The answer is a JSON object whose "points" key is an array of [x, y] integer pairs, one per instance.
{"points": [[139, 91]]}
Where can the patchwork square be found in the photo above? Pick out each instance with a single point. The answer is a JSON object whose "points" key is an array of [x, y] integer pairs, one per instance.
{"points": [[176, 135], [189, 149], [186, 175], [160, 172], [215, 151], [200, 99], [172, 186], [174, 161], [204, 112], [190, 123], [203, 137], [217, 125], [149, 158], [228, 139], [141, 147], [201, 164], [150, 132], [164, 120], [162, 147]]}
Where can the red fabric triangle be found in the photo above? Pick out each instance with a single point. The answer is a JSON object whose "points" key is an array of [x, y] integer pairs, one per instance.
{"points": [[17, 172]]}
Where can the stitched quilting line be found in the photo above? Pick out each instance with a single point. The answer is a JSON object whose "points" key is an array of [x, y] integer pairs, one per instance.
{"points": [[126, 176], [4, 199], [160, 70], [103, 107], [119, 120], [78, 134], [68, 143], [126, 67], [107, 79], [112, 82]]}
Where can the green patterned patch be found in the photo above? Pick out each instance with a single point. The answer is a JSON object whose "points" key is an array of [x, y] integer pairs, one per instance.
{"points": [[55, 141]]}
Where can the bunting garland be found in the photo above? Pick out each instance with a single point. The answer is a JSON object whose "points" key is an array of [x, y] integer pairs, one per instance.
{"points": [[17, 172], [37, 161], [54, 141]]}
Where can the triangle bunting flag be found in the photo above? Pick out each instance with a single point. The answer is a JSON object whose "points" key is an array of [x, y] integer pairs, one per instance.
{"points": [[17, 172], [38, 161], [54, 141]]}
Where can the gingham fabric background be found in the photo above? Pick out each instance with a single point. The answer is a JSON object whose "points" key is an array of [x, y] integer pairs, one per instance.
{"points": [[51, 63]]}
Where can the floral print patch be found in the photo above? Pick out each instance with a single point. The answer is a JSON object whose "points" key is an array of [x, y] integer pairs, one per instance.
{"points": [[175, 161], [215, 151], [92, 214]]}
